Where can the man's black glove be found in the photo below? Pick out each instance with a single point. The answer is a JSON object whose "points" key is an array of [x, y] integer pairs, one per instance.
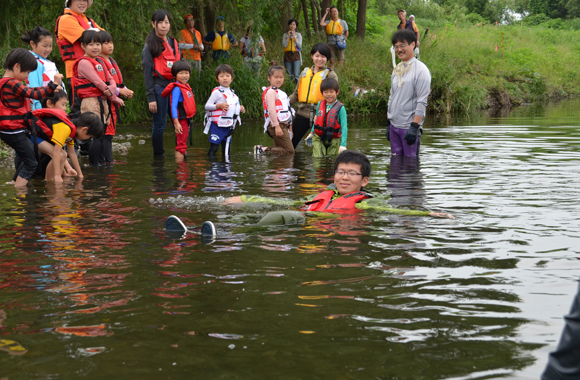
{"points": [[388, 132], [411, 135]]}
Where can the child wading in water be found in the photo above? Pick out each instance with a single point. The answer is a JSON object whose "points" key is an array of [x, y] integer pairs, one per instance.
{"points": [[107, 48], [14, 105], [40, 41], [278, 114], [223, 112], [182, 106], [95, 87], [54, 130], [329, 133]]}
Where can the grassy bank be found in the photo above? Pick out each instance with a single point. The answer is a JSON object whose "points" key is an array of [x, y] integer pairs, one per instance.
{"points": [[531, 64]]}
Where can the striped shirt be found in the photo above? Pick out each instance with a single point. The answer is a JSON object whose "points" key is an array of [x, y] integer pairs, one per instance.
{"points": [[14, 93]]}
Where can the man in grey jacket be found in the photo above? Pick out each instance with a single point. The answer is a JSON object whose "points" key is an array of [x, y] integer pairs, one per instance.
{"points": [[410, 88]]}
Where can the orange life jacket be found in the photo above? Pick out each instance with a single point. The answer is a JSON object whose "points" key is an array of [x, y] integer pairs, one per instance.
{"points": [[71, 50], [326, 124], [43, 130], [347, 203], [164, 61], [188, 98], [12, 116]]}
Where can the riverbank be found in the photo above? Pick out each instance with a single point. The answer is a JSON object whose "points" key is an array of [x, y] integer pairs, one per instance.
{"points": [[529, 65]]}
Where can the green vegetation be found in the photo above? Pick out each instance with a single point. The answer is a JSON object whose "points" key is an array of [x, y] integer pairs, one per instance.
{"points": [[536, 58]]}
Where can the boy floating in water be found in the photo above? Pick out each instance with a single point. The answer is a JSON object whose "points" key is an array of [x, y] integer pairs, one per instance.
{"points": [[352, 172]]}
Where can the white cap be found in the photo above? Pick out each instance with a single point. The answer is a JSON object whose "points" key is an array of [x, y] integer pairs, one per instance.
{"points": [[412, 16], [66, 3]]}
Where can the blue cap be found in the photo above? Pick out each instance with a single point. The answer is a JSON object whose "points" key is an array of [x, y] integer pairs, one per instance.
{"points": [[220, 18]]}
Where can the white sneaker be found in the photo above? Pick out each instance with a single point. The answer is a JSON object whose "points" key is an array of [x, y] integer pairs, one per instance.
{"points": [[174, 224]]}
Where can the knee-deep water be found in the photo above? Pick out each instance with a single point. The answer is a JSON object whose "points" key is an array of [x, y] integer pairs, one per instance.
{"points": [[93, 288]]}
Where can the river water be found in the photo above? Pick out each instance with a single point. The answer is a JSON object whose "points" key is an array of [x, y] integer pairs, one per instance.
{"points": [[92, 288]]}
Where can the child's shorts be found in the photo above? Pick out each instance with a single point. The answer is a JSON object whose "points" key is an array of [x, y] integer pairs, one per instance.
{"points": [[218, 134]]}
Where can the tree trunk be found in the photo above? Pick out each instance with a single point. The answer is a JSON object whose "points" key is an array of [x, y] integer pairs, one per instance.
{"points": [[341, 9], [314, 18], [323, 5], [361, 19], [287, 14], [209, 14], [306, 21]]}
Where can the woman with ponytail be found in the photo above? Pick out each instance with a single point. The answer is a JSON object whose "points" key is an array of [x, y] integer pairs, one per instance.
{"points": [[158, 56]]}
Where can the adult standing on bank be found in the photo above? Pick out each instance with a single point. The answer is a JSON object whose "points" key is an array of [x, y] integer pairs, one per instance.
{"points": [[220, 40], [337, 33], [69, 28], [410, 88], [190, 43], [408, 24], [292, 43], [159, 54], [252, 49]]}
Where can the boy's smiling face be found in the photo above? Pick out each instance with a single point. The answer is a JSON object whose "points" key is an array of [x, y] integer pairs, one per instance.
{"points": [[182, 76], [348, 178]]}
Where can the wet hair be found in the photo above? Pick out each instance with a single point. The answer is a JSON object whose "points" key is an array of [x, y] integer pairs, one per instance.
{"points": [[90, 36], [329, 84], [179, 66], [93, 122], [274, 68], [352, 157], [56, 96], [105, 37], [293, 20], [404, 35], [22, 56], [323, 49], [155, 43], [223, 68], [35, 35]]}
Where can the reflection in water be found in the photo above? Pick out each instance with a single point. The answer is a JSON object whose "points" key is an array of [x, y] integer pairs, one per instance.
{"points": [[87, 272]]}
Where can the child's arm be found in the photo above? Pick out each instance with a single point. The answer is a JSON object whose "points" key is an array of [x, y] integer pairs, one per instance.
{"points": [[147, 63], [176, 97], [72, 155], [343, 126], [36, 93], [55, 162], [212, 105]]}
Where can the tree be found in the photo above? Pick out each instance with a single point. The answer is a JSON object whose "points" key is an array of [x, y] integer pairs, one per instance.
{"points": [[361, 19], [306, 21]]}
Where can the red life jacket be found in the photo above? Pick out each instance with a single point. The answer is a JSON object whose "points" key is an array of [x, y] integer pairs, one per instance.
{"points": [[84, 88], [71, 50], [346, 203], [188, 98], [164, 61], [327, 122], [12, 116], [114, 71], [43, 130]]}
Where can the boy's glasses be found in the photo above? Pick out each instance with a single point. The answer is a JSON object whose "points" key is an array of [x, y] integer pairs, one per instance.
{"points": [[400, 47], [351, 173]]}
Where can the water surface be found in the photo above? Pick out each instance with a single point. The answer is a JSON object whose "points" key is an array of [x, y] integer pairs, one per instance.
{"points": [[93, 288]]}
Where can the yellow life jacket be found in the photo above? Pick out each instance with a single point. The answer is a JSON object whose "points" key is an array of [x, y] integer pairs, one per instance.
{"points": [[334, 28], [291, 45], [221, 43], [309, 86]]}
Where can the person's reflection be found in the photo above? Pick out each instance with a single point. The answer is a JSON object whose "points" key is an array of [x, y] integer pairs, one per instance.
{"points": [[280, 178], [405, 181], [220, 177], [160, 183]]}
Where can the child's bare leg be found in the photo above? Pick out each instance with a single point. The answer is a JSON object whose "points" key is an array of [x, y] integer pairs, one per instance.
{"points": [[233, 200]]}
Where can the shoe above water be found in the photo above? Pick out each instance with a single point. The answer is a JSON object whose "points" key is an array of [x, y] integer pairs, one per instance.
{"points": [[258, 150], [174, 224], [208, 229]]}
